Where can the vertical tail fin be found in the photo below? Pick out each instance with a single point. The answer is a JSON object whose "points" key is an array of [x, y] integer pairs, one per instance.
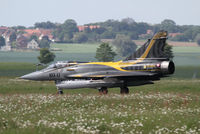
{"points": [[153, 48]]}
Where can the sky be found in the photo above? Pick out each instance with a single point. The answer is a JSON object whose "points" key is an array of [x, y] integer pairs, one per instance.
{"points": [[28, 12]]}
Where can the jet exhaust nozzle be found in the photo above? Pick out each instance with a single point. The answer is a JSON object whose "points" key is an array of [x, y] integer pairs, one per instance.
{"points": [[167, 67]]}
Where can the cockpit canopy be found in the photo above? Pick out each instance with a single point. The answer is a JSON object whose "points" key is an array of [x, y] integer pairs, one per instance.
{"points": [[61, 64]]}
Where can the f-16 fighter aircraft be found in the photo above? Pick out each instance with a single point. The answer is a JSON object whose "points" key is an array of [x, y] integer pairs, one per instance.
{"points": [[147, 64]]}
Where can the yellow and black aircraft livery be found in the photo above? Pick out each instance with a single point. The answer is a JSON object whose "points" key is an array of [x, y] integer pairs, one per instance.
{"points": [[147, 64]]}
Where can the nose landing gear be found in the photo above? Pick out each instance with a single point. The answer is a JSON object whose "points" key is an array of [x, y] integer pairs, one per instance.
{"points": [[60, 92]]}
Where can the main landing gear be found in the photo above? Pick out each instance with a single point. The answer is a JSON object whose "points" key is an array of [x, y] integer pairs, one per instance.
{"points": [[124, 90], [103, 90]]}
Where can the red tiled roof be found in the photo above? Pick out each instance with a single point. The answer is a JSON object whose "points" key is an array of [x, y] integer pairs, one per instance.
{"points": [[82, 28], [38, 32], [3, 28], [174, 34], [149, 31]]}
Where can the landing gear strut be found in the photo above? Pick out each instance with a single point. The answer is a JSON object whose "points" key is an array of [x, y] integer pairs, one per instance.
{"points": [[124, 90], [103, 90], [60, 91]]}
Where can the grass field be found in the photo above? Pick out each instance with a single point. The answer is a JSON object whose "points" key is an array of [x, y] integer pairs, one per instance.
{"points": [[171, 105], [31, 57], [86, 52], [168, 106], [76, 48]]}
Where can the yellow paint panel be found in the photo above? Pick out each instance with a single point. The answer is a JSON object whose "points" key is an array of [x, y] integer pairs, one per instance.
{"points": [[118, 65], [70, 69], [77, 75]]}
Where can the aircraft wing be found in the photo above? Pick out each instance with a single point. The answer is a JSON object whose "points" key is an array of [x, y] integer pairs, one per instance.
{"points": [[112, 74]]}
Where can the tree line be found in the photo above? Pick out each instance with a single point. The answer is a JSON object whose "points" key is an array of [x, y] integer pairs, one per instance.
{"points": [[67, 32]]}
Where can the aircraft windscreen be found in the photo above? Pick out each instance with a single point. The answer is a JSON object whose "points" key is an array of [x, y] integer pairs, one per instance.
{"points": [[60, 65], [51, 66]]}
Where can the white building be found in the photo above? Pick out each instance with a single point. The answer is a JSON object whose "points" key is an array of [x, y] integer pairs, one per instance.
{"points": [[6, 48], [33, 45]]}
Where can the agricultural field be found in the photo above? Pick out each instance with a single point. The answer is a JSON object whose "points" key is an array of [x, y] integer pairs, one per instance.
{"points": [[79, 52], [86, 52], [168, 106]]}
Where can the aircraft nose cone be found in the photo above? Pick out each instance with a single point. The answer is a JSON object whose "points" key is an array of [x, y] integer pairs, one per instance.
{"points": [[27, 76], [32, 76]]}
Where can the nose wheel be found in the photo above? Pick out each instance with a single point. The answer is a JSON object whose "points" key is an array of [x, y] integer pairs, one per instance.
{"points": [[60, 92], [103, 90]]}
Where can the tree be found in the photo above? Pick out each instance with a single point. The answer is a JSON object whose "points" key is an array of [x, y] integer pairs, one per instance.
{"points": [[168, 22], [105, 53], [19, 27], [168, 51], [80, 38], [198, 42], [70, 26], [125, 46], [2, 41], [197, 39], [45, 25], [128, 20], [169, 25], [65, 31], [67, 37], [46, 56], [13, 44], [107, 35], [13, 37], [45, 42], [33, 37]]}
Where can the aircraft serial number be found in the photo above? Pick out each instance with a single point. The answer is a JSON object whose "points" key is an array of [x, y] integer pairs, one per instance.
{"points": [[53, 75]]}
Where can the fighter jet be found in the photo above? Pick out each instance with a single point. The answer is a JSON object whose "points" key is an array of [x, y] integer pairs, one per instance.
{"points": [[149, 63]]}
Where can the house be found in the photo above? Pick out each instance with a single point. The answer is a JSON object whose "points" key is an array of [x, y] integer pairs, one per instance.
{"points": [[148, 34], [91, 27], [7, 35], [6, 48], [33, 45], [174, 34], [39, 33], [3, 30], [21, 42]]}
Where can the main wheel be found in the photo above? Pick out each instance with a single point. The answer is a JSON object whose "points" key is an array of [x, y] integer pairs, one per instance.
{"points": [[103, 90], [60, 92], [124, 90]]}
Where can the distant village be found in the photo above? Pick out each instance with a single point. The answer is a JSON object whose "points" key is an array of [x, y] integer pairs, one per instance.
{"points": [[23, 36]]}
